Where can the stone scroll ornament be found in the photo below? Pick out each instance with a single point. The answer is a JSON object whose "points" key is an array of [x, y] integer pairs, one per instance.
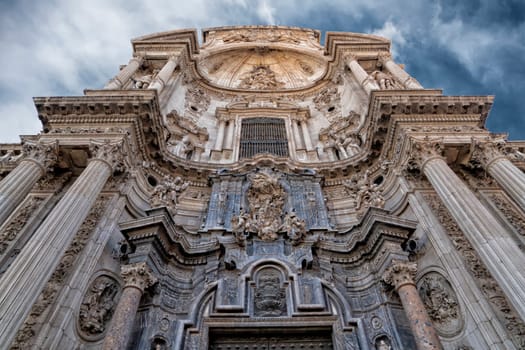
{"points": [[98, 306]]}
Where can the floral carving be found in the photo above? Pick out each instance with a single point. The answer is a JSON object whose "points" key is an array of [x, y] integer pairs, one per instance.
{"points": [[269, 296], [138, 275], [400, 273], [45, 154], [261, 77], [294, 227], [16, 224], [50, 292], [486, 282], [98, 306], [441, 302], [363, 192], [109, 151], [511, 214]]}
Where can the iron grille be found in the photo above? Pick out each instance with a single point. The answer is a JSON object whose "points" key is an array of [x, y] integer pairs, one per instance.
{"points": [[263, 135]]}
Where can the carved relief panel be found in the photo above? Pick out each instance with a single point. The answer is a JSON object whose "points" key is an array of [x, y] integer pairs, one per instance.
{"points": [[97, 307]]}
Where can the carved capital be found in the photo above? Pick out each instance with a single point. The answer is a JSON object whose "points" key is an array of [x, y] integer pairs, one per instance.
{"points": [[485, 153], [384, 57], [349, 57], [45, 154], [423, 151], [400, 273], [138, 275], [111, 152]]}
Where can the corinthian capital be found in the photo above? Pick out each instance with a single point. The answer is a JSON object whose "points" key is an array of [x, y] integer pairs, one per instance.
{"points": [[485, 153], [400, 273], [349, 57], [138, 275], [45, 154], [383, 57], [423, 151], [111, 152]]}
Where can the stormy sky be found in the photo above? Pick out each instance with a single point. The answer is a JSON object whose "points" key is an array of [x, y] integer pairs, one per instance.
{"points": [[61, 47]]}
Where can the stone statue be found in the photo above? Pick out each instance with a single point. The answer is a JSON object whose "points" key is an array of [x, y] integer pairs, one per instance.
{"points": [[294, 227], [98, 305], [180, 148], [385, 81], [167, 191], [142, 82], [383, 344]]}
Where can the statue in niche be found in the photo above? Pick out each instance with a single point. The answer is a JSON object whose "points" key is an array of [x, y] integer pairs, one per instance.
{"points": [[269, 296], [240, 226], [294, 227], [98, 306], [385, 81], [439, 299]]}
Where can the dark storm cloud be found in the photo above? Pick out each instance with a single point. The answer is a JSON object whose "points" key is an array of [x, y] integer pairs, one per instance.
{"points": [[60, 47]]}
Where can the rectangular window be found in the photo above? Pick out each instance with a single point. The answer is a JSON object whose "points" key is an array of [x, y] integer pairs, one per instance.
{"points": [[263, 135]]}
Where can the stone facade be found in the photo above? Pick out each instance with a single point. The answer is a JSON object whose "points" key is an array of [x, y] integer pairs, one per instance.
{"points": [[261, 190]]}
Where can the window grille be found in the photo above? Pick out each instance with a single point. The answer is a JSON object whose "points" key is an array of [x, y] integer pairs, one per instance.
{"points": [[263, 135]]}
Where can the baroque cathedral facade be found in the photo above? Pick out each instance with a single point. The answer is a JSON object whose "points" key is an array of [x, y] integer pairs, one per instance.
{"points": [[260, 190]]}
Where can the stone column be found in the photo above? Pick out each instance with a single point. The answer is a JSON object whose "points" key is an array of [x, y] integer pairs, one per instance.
{"points": [[39, 158], [366, 81], [220, 135], [494, 245], [296, 135], [401, 276], [137, 277], [399, 73], [306, 135], [23, 281], [165, 74], [229, 134], [511, 178], [123, 76]]}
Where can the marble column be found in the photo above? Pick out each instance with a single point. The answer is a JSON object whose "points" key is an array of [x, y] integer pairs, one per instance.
{"points": [[362, 77], [39, 158], [23, 281], [494, 245], [306, 136], [401, 276], [399, 73], [509, 176], [220, 135], [165, 74], [137, 277], [125, 74]]}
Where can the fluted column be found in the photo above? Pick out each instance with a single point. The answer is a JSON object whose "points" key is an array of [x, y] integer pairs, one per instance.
{"points": [[17, 184], [399, 73], [484, 232], [401, 276], [23, 281], [366, 81], [137, 277], [220, 135], [306, 135], [510, 177], [165, 74], [125, 74]]}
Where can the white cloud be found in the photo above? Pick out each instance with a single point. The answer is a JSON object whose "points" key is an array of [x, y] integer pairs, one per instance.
{"points": [[265, 12], [393, 33]]}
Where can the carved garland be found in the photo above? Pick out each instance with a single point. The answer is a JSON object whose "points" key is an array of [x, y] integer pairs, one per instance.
{"points": [[511, 214], [51, 290], [486, 282], [16, 224]]}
